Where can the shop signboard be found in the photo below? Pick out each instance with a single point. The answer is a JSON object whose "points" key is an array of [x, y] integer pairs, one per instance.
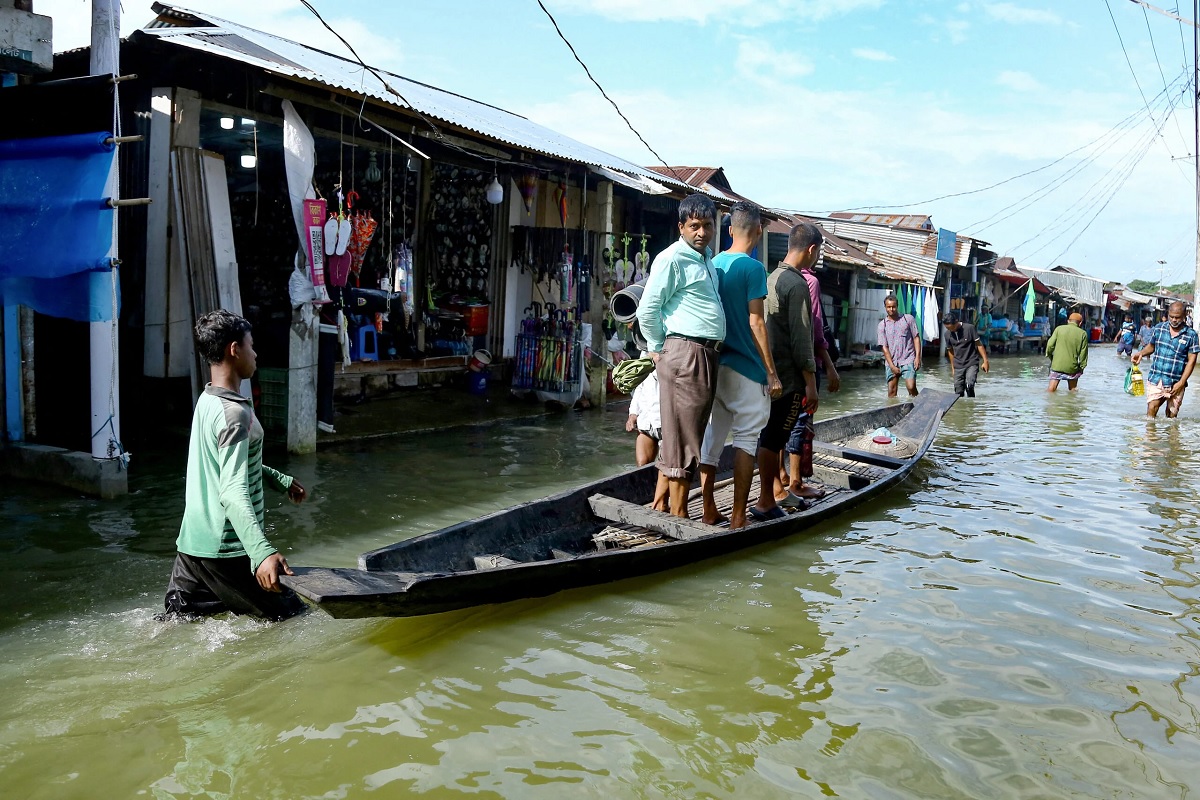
{"points": [[314, 244]]}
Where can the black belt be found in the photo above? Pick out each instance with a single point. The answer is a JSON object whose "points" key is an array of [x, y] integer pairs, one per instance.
{"points": [[711, 344]]}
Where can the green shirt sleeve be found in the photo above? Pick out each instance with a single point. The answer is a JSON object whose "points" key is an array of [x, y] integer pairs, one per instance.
{"points": [[233, 489], [276, 479]]}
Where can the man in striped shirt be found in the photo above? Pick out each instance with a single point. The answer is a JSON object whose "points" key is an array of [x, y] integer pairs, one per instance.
{"points": [[225, 562]]}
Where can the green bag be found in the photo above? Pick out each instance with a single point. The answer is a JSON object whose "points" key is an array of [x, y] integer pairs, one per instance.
{"points": [[1134, 385], [629, 373]]}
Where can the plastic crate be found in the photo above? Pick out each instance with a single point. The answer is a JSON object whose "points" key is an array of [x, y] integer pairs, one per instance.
{"points": [[273, 401]]}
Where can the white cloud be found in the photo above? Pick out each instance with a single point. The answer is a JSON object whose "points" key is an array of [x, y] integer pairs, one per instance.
{"points": [[759, 61], [828, 148], [1019, 15], [871, 54], [284, 18], [957, 29], [747, 12], [1018, 81]]}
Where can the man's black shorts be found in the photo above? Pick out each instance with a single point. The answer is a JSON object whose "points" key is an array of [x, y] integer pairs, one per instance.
{"points": [[784, 413], [206, 586]]}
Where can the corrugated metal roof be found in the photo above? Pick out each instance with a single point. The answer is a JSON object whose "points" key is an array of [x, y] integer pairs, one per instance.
{"points": [[694, 176], [224, 39], [836, 249], [1081, 288], [899, 250], [698, 178], [921, 221]]}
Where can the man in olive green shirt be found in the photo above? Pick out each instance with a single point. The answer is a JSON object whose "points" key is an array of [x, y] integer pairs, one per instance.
{"points": [[225, 562], [1068, 353]]}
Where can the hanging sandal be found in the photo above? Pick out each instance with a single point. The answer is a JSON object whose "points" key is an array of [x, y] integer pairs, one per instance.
{"points": [[331, 230]]}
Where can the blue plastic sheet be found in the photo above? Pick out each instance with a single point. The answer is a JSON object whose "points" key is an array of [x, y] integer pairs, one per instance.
{"points": [[52, 203], [58, 227], [86, 296]]}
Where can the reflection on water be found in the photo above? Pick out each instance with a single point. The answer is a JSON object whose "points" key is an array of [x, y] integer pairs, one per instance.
{"points": [[1019, 619]]}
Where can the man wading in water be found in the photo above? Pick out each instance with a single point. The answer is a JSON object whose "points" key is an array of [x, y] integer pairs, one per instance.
{"points": [[225, 562], [1174, 346]]}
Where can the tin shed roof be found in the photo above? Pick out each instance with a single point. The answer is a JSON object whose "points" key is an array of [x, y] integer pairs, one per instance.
{"points": [[224, 39]]}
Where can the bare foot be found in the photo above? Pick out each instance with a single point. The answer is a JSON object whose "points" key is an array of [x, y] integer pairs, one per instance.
{"points": [[809, 492], [717, 520]]}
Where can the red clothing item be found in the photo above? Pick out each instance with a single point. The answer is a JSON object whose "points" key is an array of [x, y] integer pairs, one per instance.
{"points": [[818, 312]]}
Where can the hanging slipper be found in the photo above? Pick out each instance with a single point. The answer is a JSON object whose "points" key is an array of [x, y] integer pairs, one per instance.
{"points": [[331, 233], [344, 232]]}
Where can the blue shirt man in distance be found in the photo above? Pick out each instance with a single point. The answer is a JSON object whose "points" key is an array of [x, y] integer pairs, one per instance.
{"points": [[681, 316], [746, 382]]}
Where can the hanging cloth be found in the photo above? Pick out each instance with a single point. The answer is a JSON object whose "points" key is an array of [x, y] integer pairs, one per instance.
{"points": [[932, 329], [918, 297]]}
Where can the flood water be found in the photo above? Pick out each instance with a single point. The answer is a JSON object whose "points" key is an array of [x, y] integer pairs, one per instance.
{"points": [[1019, 619]]}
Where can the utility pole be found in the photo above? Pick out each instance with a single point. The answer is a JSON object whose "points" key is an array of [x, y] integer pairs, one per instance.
{"points": [[1196, 143], [105, 381], [1161, 265]]}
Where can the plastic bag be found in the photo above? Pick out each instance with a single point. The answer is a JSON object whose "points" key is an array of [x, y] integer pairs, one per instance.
{"points": [[1134, 385]]}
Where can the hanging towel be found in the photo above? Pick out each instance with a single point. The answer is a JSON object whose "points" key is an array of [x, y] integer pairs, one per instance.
{"points": [[932, 329], [1028, 304]]}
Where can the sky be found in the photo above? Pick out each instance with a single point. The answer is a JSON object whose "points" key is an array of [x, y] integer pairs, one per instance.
{"points": [[1076, 113]]}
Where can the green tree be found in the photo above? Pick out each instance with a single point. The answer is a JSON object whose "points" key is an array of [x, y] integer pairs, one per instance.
{"points": [[1151, 287]]}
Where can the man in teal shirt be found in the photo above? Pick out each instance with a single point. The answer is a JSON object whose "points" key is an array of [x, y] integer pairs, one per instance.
{"points": [[746, 382], [680, 315], [225, 562]]}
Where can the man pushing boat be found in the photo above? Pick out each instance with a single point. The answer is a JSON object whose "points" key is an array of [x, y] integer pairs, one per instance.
{"points": [[225, 562]]}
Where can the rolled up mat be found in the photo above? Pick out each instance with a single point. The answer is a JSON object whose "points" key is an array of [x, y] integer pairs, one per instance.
{"points": [[624, 304]]}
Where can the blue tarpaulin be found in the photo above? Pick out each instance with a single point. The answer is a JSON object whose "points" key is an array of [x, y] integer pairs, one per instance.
{"points": [[59, 227]]}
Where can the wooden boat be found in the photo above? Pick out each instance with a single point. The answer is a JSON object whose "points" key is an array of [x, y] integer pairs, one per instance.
{"points": [[605, 531]]}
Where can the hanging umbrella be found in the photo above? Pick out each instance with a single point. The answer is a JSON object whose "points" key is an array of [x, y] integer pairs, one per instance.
{"points": [[527, 185], [362, 230]]}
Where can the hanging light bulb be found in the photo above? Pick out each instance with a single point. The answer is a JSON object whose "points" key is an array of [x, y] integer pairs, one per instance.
{"points": [[495, 192], [249, 161], [227, 123]]}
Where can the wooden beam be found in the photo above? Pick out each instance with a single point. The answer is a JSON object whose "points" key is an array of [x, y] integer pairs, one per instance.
{"points": [[611, 509], [863, 456]]}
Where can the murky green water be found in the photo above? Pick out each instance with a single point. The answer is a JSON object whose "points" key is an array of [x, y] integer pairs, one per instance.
{"points": [[1019, 620]]}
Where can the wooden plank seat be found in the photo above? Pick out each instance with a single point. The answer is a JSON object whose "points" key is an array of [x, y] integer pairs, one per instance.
{"points": [[612, 509]]}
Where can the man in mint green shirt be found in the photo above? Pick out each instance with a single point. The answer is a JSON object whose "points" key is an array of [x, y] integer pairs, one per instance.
{"points": [[225, 562], [681, 316]]}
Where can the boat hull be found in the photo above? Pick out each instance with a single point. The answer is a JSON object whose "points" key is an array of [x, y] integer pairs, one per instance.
{"points": [[541, 548]]}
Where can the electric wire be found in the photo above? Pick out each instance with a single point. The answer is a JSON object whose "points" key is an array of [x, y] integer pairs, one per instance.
{"points": [[1158, 61], [437, 133], [1116, 187], [613, 103], [1025, 174], [1132, 72], [1046, 189], [1117, 132]]}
